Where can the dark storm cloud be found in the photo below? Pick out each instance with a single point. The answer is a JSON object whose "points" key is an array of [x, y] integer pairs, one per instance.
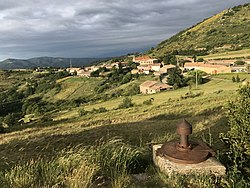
{"points": [[95, 27]]}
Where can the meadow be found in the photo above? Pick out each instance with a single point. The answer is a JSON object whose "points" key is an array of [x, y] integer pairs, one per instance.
{"points": [[230, 54], [79, 150]]}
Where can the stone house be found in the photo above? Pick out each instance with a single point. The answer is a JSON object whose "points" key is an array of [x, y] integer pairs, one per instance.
{"points": [[134, 71], [144, 60], [72, 70], [155, 66], [208, 68], [150, 87], [88, 68], [165, 70], [143, 69], [228, 62], [83, 73]]}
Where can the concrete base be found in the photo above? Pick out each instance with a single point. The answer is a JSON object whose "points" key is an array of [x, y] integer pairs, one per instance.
{"points": [[210, 166]]}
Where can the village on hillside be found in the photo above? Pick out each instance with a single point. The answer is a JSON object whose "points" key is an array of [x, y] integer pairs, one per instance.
{"points": [[147, 65]]}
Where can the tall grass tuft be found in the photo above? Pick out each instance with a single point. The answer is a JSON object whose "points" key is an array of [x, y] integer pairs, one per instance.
{"points": [[77, 167], [59, 172], [117, 160]]}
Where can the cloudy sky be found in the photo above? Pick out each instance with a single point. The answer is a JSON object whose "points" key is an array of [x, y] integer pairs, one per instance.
{"points": [[96, 28]]}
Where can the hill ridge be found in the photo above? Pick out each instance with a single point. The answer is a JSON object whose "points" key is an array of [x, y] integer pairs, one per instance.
{"points": [[225, 31], [46, 61]]}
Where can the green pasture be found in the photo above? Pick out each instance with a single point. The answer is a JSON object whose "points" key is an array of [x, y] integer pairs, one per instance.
{"points": [[229, 54]]}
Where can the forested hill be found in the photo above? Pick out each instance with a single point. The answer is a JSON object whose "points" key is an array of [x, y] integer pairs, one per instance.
{"points": [[46, 62], [226, 31]]}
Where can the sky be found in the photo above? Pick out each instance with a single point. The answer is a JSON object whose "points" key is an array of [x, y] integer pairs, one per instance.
{"points": [[96, 28]]}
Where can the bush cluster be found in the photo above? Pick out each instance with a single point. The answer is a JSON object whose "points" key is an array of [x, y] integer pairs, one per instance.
{"points": [[236, 79], [126, 103], [237, 138]]}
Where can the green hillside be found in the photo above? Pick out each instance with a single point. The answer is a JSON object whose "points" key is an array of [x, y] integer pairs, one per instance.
{"points": [[63, 131], [77, 145], [226, 31]]}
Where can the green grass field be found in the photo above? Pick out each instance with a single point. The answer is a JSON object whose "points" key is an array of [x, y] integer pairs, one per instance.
{"points": [[139, 126], [13, 78], [76, 87], [233, 54], [142, 119]]}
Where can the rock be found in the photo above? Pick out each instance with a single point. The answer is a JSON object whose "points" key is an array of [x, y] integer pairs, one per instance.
{"points": [[140, 177]]}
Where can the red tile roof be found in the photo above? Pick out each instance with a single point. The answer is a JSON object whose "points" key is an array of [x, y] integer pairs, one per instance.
{"points": [[155, 85], [142, 58], [148, 83]]}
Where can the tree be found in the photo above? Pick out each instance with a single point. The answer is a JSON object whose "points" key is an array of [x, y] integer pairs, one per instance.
{"points": [[194, 57], [170, 59], [74, 73], [1, 125], [248, 68], [176, 78], [132, 64], [10, 119], [182, 62], [120, 68], [126, 78], [237, 138], [95, 73], [237, 78], [199, 73]]}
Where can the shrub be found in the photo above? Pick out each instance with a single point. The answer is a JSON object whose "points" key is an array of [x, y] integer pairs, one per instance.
{"points": [[200, 60], [132, 89], [11, 119], [148, 102], [99, 110], [126, 103], [211, 31], [239, 62], [102, 88], [191, 95], [82, 112], [237, 138], [218, 91], [233, 79], [46, 119]]}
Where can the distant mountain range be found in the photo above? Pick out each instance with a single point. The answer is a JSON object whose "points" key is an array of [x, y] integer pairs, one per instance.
{"points": [[47, 62]]}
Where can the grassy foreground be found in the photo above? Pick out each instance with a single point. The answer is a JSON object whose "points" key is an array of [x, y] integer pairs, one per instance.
{"points": [[104, 149]]}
